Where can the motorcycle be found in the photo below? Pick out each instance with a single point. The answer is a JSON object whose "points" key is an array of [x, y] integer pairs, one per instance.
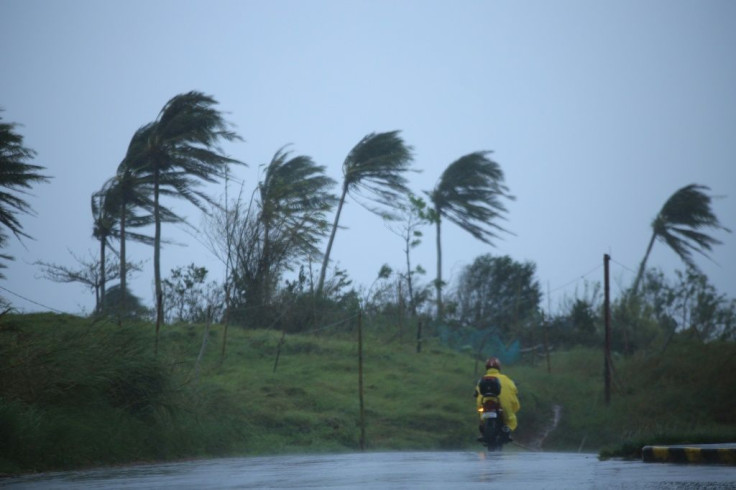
{"points": [[492, 425], [495, 432]]}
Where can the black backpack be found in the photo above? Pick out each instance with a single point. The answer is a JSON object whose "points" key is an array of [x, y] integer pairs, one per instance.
{"points": [[489, 386]]}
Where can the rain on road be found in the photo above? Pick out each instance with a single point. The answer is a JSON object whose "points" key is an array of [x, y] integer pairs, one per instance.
{"points": [[400, 470]]}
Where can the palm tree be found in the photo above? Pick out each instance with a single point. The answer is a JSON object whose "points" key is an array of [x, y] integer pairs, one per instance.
{"points": [[374, 169], [16, 176], [115, 209], [179, 151], [678, 223], [294, 198], [469, 194], [102, 229], [135, 191]]}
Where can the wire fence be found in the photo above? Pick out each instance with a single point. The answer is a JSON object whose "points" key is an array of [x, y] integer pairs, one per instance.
{"points": [[480, 343]]}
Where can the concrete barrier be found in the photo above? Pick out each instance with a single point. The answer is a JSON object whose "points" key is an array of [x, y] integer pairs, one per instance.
{"points": [[692, 453]]}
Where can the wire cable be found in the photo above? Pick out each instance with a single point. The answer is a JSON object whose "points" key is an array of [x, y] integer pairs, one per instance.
{"points": [[583, 276], [31, 301], [623, 266]]}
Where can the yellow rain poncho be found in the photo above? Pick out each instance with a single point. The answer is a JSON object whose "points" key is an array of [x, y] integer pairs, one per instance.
{"points": [[508, 398]]}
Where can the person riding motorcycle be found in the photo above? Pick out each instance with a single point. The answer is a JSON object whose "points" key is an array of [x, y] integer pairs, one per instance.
{"points": [[508, 397]]}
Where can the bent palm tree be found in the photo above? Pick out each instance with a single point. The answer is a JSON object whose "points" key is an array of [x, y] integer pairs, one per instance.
{"points": [[374, 169], [468, 194], [179, 151], [294, 198], [677, 223], [16, 176]]}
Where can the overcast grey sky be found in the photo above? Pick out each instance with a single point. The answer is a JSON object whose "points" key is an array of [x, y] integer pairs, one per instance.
{"points": [[597, 111]]}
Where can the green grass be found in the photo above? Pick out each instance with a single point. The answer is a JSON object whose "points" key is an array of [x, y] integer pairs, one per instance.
{"points": [[76, 393]]}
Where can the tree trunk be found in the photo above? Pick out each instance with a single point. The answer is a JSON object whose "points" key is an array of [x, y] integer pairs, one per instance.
{"points": [[157, 257], [361, 395], [438, 281], [103, 279], [228, 265], [643, 265], [326, 259], [265, 267], [225, 320], [123, 268], [409, 282]]}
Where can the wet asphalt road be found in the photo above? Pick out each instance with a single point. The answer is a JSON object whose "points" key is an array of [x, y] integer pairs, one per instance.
{"points": [[394, 470]]}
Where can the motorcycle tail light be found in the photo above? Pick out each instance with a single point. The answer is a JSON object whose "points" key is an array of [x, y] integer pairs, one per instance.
{"points": [[489, 405]]}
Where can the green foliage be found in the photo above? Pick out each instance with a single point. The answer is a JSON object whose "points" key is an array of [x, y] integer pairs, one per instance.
{"points": [[275, 232], [296, 308], [410, 295], [684, 396], [498, 293], [634, 327], [581, 325], [663, 310], [16, 177], [679, 223], [279, 232], [374, 170], [74, 393], [129, 308], [49, 358], [469, 193], [682, 391], [188, 298], [294, 198], [179, 152], [690, 304]]}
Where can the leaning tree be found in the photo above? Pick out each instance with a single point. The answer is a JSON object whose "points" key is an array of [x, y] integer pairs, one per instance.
{"points": [[180, 151], [678, 225], [375, 170], [469, 193]]}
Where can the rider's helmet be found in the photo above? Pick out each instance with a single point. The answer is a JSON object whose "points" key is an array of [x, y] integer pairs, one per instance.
{"points": [[493, 362]]}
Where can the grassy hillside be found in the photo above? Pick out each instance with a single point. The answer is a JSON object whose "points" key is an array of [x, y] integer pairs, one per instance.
{"points": [[74, 392]]}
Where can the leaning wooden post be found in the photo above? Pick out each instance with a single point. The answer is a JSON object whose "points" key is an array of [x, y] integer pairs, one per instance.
{"points": [[607, 322], [278, 351], [360, 381], [419, 336], [546, 346]]}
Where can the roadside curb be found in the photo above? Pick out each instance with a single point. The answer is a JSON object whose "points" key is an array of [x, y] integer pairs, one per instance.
{"points": [[694, 454]]}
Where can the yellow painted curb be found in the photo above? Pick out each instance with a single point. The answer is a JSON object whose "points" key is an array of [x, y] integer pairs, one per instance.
{"points": [[694, 454]]}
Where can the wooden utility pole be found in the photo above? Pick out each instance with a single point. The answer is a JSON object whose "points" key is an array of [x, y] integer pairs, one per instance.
{"points": [[360, 381], [607, 322], [546, 331]]}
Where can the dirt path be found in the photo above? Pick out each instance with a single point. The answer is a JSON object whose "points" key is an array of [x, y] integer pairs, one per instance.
{"points": [[552, 425]]}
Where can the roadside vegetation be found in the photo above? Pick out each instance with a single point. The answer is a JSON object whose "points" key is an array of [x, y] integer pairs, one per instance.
{"points": [[75, 392]]}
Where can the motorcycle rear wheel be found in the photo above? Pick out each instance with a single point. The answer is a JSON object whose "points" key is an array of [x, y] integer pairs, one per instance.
{"points": [[492, 434]]}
